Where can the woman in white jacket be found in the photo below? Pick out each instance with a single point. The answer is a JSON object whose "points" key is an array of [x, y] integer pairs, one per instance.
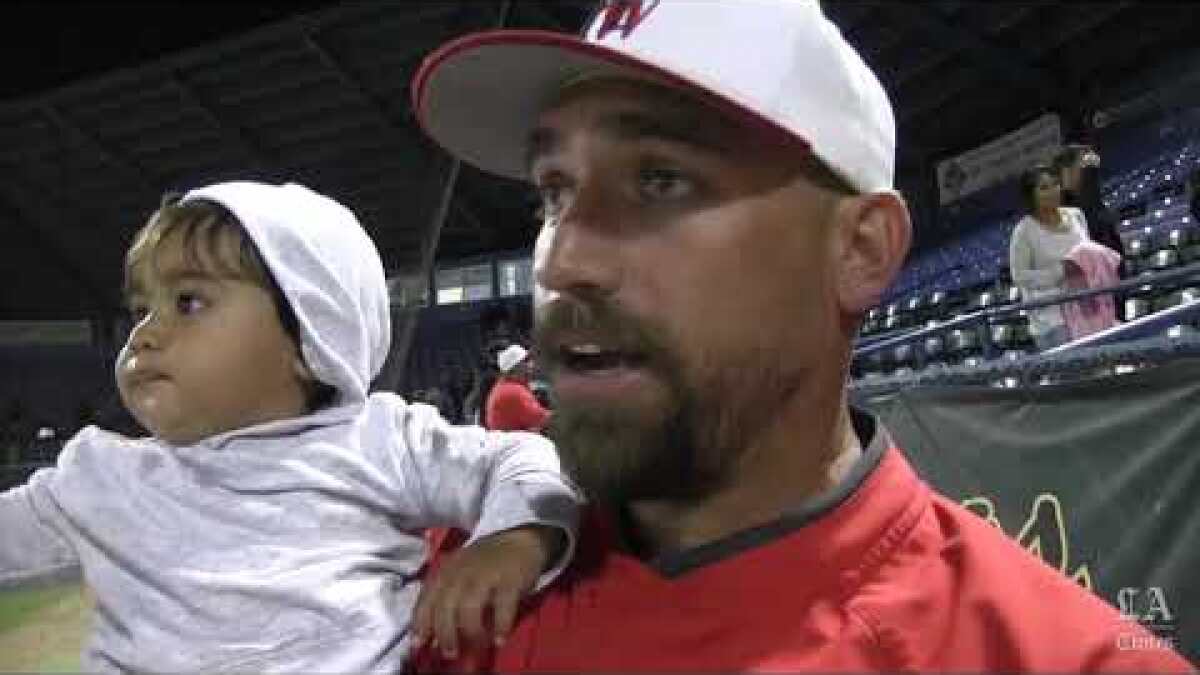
{"points": [[1040, 242]]}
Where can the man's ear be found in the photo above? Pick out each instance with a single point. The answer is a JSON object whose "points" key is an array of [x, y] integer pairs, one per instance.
{"points": [[874, 233]]}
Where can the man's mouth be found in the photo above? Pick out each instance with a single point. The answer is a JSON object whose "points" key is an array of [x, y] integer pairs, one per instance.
{"points": [[597, 358]]}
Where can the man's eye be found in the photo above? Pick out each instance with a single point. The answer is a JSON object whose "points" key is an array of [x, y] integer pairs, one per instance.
{"points": [[661, 183]]}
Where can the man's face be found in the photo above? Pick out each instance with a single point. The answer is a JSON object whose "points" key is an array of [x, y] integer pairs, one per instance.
{"points": [[686, 263]]}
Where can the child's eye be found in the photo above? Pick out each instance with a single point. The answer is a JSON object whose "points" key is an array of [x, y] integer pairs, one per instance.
{"points": [[138, 313], [189, 303]]}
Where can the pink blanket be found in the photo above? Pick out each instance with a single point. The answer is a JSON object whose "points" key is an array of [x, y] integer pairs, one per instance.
{"points": [[1090, 265]]}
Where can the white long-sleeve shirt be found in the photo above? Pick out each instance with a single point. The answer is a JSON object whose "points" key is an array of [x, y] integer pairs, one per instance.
{"points": [[1036, 256], [290, 546]]}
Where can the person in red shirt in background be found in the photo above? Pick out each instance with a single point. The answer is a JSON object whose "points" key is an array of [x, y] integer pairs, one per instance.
{"points": [[719, 215], [511, 405]]}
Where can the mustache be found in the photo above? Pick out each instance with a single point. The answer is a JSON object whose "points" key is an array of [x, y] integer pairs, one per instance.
{"points": [[564, 318]]}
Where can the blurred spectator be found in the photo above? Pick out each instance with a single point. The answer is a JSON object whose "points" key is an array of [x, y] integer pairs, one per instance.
{"points": [[458, 384], [45, 444], [496, 324], [1040, 243], [511, 405], [486, 376], [1079, 173], [16, 433]]}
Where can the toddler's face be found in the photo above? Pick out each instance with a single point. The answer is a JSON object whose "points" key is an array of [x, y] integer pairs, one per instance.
{"points": [[208, 353]]}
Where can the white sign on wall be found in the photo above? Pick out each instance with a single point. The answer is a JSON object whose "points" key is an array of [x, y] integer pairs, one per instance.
{"points": [[1006, 156]]}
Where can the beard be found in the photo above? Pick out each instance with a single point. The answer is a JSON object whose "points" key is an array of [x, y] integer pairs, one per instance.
{"points": [[682, 445]]}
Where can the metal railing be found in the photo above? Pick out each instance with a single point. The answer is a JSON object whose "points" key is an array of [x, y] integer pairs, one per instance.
{"points": [[1047, 368], [981, 320]]}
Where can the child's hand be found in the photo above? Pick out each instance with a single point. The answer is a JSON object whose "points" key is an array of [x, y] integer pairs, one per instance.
{"points": [[496, 571]]}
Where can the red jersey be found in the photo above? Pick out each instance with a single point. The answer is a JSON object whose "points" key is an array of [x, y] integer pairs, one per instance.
{"points": [[886, 576], [511, 406]]}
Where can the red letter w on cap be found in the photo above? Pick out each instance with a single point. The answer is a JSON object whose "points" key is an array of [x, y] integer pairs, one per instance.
{"points": [[623, 15]]}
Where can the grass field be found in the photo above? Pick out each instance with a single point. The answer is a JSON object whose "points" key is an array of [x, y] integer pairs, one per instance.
{"points": [[42, 629]]}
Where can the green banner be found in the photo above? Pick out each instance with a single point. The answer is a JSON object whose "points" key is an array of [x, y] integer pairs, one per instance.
{"points": [[1099, 478]]}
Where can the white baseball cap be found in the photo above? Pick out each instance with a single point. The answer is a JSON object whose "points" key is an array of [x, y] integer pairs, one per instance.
{"points": [[774, 63], [511, 357]]}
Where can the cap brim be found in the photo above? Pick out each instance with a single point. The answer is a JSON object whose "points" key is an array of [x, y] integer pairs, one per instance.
{"points": [[479, 96]]}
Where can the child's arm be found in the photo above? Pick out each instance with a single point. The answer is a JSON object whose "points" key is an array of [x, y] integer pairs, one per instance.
{"points": [[509, 490], [482, 481], [496, 572], [31, 548]]}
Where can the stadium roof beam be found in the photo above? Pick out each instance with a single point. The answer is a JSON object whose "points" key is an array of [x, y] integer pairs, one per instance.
{"points": [[235, 134], [1005, 62], [135, 171], [377, 108], [472, 218], [449, 186], [422, 14], [1098, 13], [906, 75]]}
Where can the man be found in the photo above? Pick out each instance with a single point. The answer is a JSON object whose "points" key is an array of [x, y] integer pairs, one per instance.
{"points": [[716, 178], [1079, 172], [512, 405]]}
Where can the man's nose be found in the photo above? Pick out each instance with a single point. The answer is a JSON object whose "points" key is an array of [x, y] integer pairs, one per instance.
{"points": [[578, 251]]}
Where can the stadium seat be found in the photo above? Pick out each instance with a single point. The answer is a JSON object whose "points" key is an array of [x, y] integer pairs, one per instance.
{"points": [[1138, 254], [934, 348], [1190, 253], [1165, 259], [1139, 303], [1011, 334], [874, 362], [1179, 238], [1180, 331], [964, 342], [904, 356], [1176, 298]]}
